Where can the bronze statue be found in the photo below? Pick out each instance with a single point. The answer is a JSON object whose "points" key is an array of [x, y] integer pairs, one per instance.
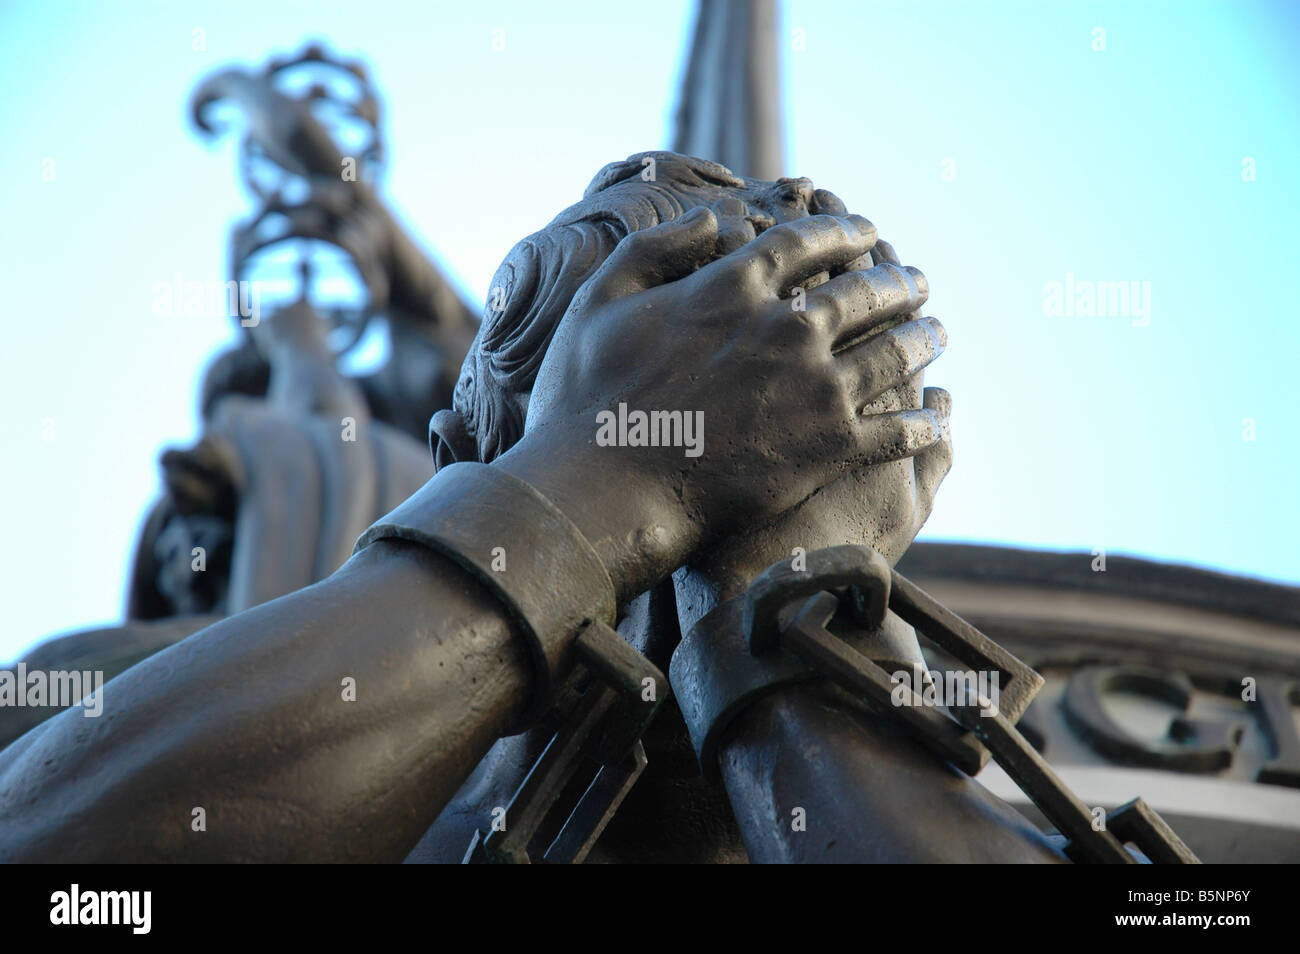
{"points": [[336, 722], [686, 390], [645, 514]]}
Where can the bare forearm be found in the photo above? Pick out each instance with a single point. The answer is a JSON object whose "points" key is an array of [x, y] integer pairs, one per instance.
{"points": [[814, 780], [251, 720], [813, 777]]}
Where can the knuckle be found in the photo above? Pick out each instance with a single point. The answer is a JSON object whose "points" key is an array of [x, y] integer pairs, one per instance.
{"points": [[887, 273], [793, 329], [770, 255], [829, 393], [888, 440], [911, 437], [748, 272], [899, 353], [918, 279], [785, 245], [873, 371], [859, 287], [835, 234], [824, 310]]}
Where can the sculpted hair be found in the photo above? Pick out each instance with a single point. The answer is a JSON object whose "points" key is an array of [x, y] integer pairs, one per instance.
{"points": [[533, 287]]}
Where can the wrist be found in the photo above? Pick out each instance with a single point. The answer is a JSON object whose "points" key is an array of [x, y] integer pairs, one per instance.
{"points": [[861, 507], [555, 590], [636, 524]]}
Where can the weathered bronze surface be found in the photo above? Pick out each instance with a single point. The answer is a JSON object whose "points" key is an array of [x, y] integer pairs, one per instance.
{"points": [[431, 699]]}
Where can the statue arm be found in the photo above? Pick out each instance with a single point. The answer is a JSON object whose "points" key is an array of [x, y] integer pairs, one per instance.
{"points": [[331, 724], [282, 768], [811, 775], [867, 792]]}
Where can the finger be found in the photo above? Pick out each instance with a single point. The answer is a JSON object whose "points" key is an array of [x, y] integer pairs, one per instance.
{"points": [[856, 304], [896, 436], [736, 224], [877, 256], [827, 203], [785, 255], [933, 463], [889, 358], [654, 256], [938, 400], [735, 235], [882, 253], [860, 264], [904, 397]]}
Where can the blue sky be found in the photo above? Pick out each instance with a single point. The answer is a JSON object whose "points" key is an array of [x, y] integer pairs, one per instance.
{"points": [[1002, 147]]}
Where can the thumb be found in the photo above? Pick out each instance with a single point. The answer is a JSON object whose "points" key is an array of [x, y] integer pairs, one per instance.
{"points": [[655, 256]]}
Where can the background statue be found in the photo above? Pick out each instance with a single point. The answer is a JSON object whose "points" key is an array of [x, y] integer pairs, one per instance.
{"points": [[269, 499]]}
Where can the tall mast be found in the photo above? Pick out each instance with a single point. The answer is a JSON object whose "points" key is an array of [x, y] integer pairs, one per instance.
{"points": [[730, 105]]}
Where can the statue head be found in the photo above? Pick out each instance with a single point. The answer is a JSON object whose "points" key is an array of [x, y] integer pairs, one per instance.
{"points": [[533, 286]]}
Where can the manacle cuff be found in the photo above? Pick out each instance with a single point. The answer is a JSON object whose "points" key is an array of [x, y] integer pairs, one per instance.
{"points": [[523, 549], [715, 675]]}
